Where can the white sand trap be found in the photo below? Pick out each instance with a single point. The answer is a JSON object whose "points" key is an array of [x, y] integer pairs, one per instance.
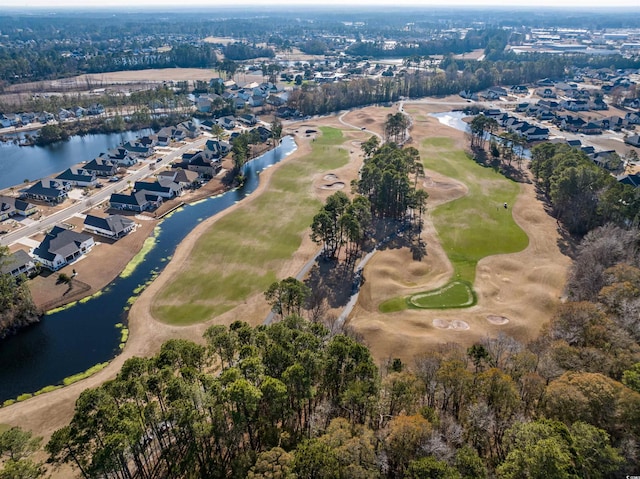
{"points": [[338, 185], [330, 177], [497, 320], [455, 324]]}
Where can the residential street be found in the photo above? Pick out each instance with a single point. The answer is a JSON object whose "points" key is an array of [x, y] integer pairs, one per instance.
{"points": [[100, 195]]}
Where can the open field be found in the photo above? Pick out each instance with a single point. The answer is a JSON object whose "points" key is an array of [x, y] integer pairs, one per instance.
{"points": [[240, 255]]}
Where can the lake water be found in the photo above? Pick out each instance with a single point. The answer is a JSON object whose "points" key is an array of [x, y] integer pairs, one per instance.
{"points": [[455, 119], [73, 340], [19, 163]]}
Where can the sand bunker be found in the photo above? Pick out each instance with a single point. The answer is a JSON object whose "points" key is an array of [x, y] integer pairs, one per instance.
{"points": [[330, 177], [338, 185], [497, 320], [455, 324]]}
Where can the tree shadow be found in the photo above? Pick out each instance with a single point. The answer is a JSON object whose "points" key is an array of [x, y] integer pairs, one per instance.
{"points": [[331, 280]]}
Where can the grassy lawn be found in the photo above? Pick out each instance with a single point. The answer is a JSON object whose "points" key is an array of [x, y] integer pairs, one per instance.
{"points": [[472, 227], [238, 256]]}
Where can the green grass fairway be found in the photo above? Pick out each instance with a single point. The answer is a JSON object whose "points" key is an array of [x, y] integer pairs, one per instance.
{"points": [[239, 255], [472, 227]]}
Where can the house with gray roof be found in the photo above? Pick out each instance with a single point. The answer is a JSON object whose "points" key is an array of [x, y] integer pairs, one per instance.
{"points": [[185, 178], [61, 247], [101, 167], [49, 190], [113, 226], [170, 190], [17, 263], [10, 206], [138, 201], [78, 177]]}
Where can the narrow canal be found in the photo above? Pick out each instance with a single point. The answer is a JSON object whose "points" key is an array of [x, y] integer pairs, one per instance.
{"points": [[72, 340]]}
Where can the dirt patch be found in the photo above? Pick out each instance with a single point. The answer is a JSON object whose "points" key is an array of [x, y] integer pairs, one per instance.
{"points": [[497, 320], [455, 324]]}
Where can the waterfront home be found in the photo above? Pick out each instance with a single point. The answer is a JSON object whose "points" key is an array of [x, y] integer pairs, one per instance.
{"points": [[77, 177], [101, 167], [61, 247], [113, 226], [10, 206], [204, 166], [121, 156], [139, 201], [169, 191], [49, 190], [137, 150], [184, 178], [17, 263]]}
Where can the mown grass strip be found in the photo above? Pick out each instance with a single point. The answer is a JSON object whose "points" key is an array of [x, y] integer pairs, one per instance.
{"points": [[238, 256], [470, 228]]}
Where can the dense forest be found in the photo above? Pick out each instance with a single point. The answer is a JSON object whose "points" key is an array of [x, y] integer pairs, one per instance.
{"points": [[582, 194], [16, 306], [292, 400]]}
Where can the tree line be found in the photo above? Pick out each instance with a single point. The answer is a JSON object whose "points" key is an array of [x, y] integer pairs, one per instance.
{"points": [[17, 309], [582, 194], [293, 400]]}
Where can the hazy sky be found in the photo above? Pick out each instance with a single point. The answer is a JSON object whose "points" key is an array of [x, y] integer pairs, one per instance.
{"points": [[300, 3]]}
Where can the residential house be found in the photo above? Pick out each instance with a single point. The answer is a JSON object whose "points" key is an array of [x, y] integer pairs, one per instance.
{"points": [[101, 167], [248, 119], [632, 118], [184, 178], [10, 206], [137, 150], [9, 119], [201, 164], [95, 109], [121, 157], [62, 246], [49, 190], [217, 147], [519, 89], [190, 128], [631, 180], [575, 105], [77, 177], [17, 263], [549, 105], [591, 128], [263, 132], [535, 133], [78, 111], [633, 140], [227, 122], [64, 114], [113, 226], [169, 191], [46, 117], [138, 201], [546, 93]]}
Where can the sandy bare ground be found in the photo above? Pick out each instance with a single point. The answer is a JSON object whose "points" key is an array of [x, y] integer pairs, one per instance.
{"points": [[514, 297]]}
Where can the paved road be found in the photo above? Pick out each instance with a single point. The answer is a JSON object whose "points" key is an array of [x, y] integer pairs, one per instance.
{"points": [[101, 194]]}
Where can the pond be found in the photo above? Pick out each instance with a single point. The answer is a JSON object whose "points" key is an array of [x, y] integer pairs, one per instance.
{"points": [[72, 340], [19, 163]]}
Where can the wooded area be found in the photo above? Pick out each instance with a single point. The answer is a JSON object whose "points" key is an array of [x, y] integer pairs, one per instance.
{"points": [[16, 306]]}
